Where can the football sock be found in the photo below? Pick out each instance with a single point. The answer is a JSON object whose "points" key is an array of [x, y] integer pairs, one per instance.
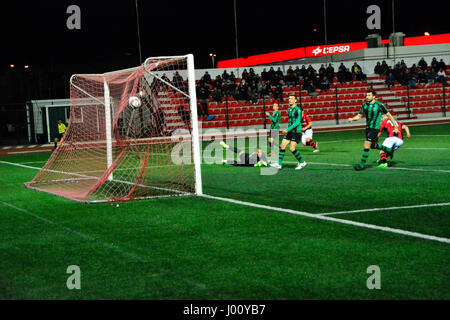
{"points": [[381, 147], [312, 144], [383, 157], [364, 157], [281, 156], [298, 156]]}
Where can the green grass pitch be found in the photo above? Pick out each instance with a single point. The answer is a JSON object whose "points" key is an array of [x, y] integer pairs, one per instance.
{"points": [[198, 248]]}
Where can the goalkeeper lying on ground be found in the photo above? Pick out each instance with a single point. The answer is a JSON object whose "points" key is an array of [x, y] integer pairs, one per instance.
{"points": [[256, 159]]}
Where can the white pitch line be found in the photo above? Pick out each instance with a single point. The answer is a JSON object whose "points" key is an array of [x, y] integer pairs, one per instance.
{"points": [[326, 218], [387, 209], [425, 148]]}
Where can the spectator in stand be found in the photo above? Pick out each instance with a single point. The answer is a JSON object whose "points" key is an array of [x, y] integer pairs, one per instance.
{"points": [[308, 85], [232, 78], [164, 77], [341, 76], [289, 70], [321, 75], [330, 72], [441, 77], [218, 83], [311, 69], [252, 95], [279, 74], [384, 68], [403, 66], [413, 70], [355, 69], [322, 68], [177, 78], [270, 74], [245, 75], [257, 78], [360, 76], [251, 74], [421, 76], [390, 80], [236, 93], [259, 88], [435, 64], [278, 93], [378, 69], [267, 89], [227, 89], [264, 76], [410, 80], [207, 78], [400, 77], [243, 91], [325, 84], [217, 95], [225, 76], [423, 64], [313, 78], [441, 65], [303, 72], [431, 76], [203, 96], [297, 73], [290, 77], [342, 67], [348, 76]]}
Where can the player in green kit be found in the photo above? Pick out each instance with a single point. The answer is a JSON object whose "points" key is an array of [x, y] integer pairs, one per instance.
{"points": [[293, 135], [275, 119], [373, 110]]}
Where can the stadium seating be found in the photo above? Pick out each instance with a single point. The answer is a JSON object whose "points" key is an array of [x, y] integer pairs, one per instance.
{"points": [[424, 99]]}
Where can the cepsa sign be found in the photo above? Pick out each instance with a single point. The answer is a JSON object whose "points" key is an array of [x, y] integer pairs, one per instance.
{"points": [[319, 51]]}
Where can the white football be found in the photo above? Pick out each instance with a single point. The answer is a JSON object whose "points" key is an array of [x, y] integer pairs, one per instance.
{"points": [[134, 102]]}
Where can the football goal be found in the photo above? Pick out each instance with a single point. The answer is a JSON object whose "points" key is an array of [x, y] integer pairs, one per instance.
{"points": [[132, 134]]}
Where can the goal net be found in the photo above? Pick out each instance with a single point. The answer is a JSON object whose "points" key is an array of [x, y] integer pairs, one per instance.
{"points": [[132, 134]]}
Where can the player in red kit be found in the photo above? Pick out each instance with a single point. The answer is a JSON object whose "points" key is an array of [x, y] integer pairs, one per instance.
{"points": [[393, 140], [307, 132]]}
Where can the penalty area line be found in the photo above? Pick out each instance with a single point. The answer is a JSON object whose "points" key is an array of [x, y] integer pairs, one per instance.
{"points": [[327, 218], [387, 209]]}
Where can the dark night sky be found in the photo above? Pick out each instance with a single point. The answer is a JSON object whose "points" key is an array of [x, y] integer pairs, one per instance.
{"points": [[35, 33]]}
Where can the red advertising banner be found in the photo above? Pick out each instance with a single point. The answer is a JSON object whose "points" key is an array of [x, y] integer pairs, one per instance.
{"points": [[322, 50], [264, 58], [424, 40]]}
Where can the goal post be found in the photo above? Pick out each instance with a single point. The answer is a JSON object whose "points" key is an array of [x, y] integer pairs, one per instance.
{"points": [[108, 128], [124, 131], [195, 131]]}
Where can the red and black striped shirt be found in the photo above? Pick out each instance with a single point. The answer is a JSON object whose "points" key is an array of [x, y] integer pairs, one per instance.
{"points": [[389, 127], [306, 120]]}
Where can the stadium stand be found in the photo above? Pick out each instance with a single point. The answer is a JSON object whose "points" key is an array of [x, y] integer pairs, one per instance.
{"points": [[426, 98]]}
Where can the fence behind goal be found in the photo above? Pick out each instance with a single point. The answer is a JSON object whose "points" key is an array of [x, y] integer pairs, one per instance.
{"points": [[123, 128]]}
